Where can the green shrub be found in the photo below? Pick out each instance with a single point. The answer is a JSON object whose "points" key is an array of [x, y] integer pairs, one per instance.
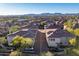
{"points": [[48, 53], [16, 53]]}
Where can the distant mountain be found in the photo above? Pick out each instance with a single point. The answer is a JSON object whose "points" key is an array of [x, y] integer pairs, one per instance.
{"points": [[43, 14], [46, 14], [53, 14]]}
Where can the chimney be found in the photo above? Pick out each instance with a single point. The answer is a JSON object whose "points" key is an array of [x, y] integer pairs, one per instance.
{"points": [[45, 27], [65, 27]]}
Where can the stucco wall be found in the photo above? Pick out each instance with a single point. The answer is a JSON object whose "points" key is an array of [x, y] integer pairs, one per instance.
{"points": [[63, 40]]}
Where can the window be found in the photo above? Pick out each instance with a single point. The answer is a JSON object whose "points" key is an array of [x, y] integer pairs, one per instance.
{"points": [[52, 39]]}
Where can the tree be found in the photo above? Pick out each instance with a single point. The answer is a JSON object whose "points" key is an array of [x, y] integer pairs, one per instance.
{"points": [[42, 24], [76, 32], [70, 30], [72, 41], [2, 40], [13, 29], [69, 24], [21, 42]]}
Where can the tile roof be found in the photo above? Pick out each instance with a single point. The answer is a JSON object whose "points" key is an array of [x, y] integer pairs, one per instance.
{"points": [[52, 26], [61, 33], [25, 33]]}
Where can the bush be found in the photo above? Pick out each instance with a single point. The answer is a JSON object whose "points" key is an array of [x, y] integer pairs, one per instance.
{"points": [[3, 40], [16, 53], [72, 41], [76, 32], [70, 30], [75, 51], [21, 42], [13, 29], [48, 53]]}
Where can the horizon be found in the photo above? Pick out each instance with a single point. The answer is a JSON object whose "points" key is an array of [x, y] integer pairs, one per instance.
{"points": [[36, 14], [38, 8]]}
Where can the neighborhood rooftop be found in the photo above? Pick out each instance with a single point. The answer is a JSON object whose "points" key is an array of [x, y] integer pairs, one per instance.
{"points": [[61, 33], [24, 33]]}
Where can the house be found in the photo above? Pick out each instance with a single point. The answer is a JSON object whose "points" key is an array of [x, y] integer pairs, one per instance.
{"points": [[76, 26], [3, 24], [26, 33], [53, 26], [43, 39], [3, 31], [58, 37], [39, 39], [21, 22], [6, 24], [31, 25], [50, 21], [34, 25]]}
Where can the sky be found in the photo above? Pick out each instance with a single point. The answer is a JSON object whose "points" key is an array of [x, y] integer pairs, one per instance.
{"points": [[37, 8]]}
